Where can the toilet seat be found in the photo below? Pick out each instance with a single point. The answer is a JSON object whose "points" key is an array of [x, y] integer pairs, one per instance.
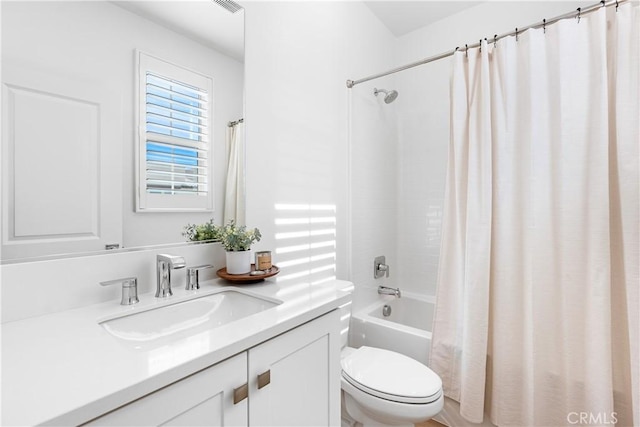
{"points": [[391, 376]]}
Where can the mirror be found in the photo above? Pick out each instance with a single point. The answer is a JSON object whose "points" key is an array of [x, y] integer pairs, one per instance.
{"points": [[70, 117]]}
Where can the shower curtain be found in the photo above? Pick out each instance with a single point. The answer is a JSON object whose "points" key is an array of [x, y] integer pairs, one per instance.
{"points": [[536, 321], [234, 199]]}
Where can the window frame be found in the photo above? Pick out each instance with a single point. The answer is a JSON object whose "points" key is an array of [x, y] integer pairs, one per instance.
{"points": [[149, 202]]}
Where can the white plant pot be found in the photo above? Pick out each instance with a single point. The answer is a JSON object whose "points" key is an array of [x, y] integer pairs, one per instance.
{"points": [[239, 262]]}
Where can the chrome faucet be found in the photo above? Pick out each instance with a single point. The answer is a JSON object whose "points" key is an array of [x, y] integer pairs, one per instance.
{"points": [[384, 290], [166, 263]]}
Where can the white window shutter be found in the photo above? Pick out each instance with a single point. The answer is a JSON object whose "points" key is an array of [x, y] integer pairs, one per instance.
{"points": [[174, 142]]}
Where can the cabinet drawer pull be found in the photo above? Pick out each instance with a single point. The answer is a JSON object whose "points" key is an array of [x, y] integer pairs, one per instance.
{"points": [[240, 393], [264, 379]]}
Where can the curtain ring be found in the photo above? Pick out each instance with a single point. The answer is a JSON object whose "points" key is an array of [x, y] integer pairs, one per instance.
{"points": [[516, 33], [480, 46], [544, 26], [579, 12], [617, 5], [495, 41], [466, 50]]}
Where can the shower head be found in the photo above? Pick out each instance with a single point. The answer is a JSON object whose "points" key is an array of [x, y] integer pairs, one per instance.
{"points": [[389, 95]]}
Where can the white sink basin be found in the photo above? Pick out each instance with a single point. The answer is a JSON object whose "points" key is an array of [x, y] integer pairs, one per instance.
{"points": [[190, 316]]}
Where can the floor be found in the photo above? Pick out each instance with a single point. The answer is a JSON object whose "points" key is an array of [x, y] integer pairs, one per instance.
{"points": [[430, 423]]}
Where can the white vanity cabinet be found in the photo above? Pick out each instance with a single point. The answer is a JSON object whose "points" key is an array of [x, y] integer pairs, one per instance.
{"points": [[303, 367], [289, 380], [202, 399]]}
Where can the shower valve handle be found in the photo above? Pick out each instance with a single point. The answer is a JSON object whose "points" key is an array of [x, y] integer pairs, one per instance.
{"points": [[380, 268], [384, 268]]}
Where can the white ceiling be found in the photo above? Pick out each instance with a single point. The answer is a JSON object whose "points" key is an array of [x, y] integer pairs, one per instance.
{"points": [[201, 20], [402, 17], [213, 26]]}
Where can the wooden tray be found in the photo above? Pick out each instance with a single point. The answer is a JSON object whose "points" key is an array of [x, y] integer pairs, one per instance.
{"points": [[245, 279]]}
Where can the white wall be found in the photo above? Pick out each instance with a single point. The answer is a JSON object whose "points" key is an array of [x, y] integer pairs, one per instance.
{"points": [[95, 41], [298, 57]]}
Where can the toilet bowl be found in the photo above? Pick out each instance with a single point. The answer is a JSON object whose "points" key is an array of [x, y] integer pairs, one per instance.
{"points": [[382, 387]]}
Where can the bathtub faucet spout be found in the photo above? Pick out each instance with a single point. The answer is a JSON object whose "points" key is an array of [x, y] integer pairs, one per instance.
{"points": [[384, 290]]}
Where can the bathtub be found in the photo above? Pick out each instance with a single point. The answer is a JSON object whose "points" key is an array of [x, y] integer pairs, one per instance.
{"points": [[407, 330]]}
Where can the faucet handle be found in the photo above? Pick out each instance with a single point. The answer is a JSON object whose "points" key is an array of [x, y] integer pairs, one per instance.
{"points": [[129, 289], [193, 276], [384, 268], [380, 267]]}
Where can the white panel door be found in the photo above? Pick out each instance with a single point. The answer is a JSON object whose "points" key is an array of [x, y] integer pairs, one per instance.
{"points": [[62, 164], [203, 399], [303, 367]]}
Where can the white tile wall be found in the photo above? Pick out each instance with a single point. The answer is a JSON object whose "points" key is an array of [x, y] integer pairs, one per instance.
{"points": [[423, 134], [374, 141]]}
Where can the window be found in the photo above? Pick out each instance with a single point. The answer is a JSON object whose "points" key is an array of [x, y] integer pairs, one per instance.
{"points": [[174, 138]]}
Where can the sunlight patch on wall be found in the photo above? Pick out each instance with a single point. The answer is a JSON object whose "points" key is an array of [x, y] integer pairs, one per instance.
{"points": [[305, 242]]}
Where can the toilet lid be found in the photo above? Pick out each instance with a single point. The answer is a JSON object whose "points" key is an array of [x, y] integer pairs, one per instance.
{"points": [[390, 375]]}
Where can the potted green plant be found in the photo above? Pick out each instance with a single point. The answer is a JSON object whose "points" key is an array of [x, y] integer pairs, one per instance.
{"points": [[237, 241], [200, 232]]}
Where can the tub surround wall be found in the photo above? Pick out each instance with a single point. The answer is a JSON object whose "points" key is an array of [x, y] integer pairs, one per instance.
{"points": [[374, 141], [373, 157], [422, 152]]}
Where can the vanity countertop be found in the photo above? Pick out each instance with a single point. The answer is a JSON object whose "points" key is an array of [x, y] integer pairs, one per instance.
{"points": [[65, 368]]}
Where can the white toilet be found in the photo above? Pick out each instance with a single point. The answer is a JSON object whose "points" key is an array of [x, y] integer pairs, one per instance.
{"points": [[382, 387], [385, 388]]}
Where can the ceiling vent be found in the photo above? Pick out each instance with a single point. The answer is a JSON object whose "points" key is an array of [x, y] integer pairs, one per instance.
{"points": [[230, 5]]}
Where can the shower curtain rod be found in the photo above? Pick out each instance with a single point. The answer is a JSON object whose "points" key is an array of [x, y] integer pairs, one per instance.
{"points": [[232, 124], [574, 14]]}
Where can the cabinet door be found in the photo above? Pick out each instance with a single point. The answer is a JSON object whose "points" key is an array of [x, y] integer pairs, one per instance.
{"points": [[294, 379], [202, 399]]}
